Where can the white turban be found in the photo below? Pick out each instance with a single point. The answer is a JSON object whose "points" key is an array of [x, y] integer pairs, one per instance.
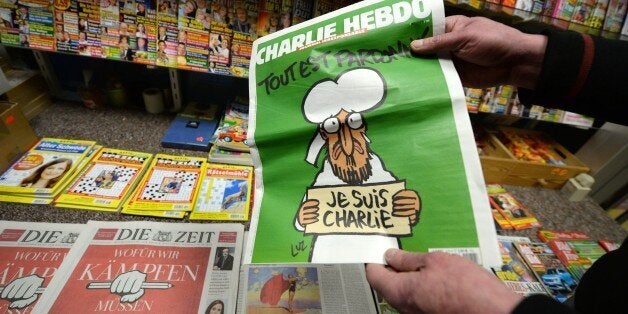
{"points": [[357, 90]]}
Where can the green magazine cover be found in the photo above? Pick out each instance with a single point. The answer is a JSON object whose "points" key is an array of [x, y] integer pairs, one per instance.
{"points": [[359, 146]]}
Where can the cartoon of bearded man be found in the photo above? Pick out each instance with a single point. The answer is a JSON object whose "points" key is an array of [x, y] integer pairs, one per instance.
{"points": [[337, 107]]}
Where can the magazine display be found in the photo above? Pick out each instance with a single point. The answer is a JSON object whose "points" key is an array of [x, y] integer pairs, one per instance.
{"points": [[148, 266], [345, 151], [311, 288], [223, 156], [225, 193], [106, 182], [514, 271], [42, 172], [30, 254], [548, 269]]}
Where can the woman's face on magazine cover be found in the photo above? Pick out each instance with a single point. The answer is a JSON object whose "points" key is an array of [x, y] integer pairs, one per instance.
{"points": [[216, 309], [54, 171]]}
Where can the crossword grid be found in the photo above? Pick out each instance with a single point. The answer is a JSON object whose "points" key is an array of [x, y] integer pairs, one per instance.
{"points": [[87, 183], [155, 188]]}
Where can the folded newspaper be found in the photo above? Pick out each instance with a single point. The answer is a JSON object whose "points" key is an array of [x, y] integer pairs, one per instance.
{"points": [[30, 254], [148, 266], [360, 146]]}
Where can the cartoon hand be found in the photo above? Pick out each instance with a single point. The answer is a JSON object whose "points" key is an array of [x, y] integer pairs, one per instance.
{"points": [[129, 286], [21, 291], [406, 203], [308, 212]]}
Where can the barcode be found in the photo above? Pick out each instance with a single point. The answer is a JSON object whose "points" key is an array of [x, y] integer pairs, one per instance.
{"points": [[36, 201], [237, 216], [472, 254], [171, 213], [180, 206], [103, 202]]}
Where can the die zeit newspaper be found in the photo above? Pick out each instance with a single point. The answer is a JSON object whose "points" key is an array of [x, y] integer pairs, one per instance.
{"points": [[148, 266], [30, 254], [359, 146]]}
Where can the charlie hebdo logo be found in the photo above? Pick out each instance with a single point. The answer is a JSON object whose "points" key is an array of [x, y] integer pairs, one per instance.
{"points": [[353, 200]]}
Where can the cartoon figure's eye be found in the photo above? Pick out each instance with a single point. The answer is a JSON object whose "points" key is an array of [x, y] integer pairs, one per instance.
{"points": [[354, 120], [331, 125]]}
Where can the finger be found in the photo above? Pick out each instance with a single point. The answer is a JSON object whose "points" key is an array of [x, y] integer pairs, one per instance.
{"points": [[307, 210], [405, 206], [382, 279], [137, 285], [128, 285], [12, 290], [443, 42], [21, 290], [121, 285], [310, 221], [310, 216], [310, 203], [114, 285], [403, 213], [32, 289], [404, 261], [452, 21]]}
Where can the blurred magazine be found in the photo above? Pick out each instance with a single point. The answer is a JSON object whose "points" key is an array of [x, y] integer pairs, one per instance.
{"points": [[30, 254], [225, 193], [514, 272], [106, 182], [224, 156], [148, 266], [231, 134], [548, 269]]}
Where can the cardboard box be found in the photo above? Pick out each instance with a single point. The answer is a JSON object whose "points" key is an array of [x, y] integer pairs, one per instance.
{"points": [[16, 134], [29, 90], [500, 165]]}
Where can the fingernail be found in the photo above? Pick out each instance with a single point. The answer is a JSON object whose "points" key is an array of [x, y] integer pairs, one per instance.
{"points": [[390, 254], [417, 44]]}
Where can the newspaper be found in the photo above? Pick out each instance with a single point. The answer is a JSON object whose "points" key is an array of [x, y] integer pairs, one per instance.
{"points": [[148, 266], [30, 254], [309, 288], [359, 146]]}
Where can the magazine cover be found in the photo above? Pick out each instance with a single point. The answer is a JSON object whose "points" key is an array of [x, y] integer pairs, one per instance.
{"points": [[34, 20], [106, 181], [516, 214], [43, 169], [220, 38], [312, 288], [225, 193], [268, 19], [615, 15], [514, 272], [245, 17], [30, 254], [66, 17], [223, 156], [548, 268], [146, 32], [348, 145], [146, 266], [89, 26], [231, 134], [170, 183]]}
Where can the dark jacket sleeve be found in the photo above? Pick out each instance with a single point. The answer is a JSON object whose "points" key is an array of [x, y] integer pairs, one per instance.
{"points": [[583, 74], [540, 304]]}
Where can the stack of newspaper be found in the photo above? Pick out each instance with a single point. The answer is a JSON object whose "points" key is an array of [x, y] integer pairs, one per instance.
{"points": [[169, 188], [119, 266], [106, 181], [43, 171]]}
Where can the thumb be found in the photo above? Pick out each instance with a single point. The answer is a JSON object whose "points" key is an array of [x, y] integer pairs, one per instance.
{"points": [[404, 261], [442, 42]]}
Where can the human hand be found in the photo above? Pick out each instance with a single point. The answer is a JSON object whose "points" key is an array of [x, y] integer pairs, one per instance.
{"points": [[439, 283], [129, 286], [308, 212], [487, 53], [406, 203], [21, 292]]}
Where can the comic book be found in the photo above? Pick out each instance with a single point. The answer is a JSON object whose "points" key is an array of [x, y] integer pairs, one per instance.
{"points": [[596, 18], [514, 271], [225, 193], [500, 220], [30, 254], [171, 183], [548, 268], [564, 9], [106, 182], [561, 243], [609, 245], [148, 266], [231, 134], [332, 135], [43, 170], [513, 211]]}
